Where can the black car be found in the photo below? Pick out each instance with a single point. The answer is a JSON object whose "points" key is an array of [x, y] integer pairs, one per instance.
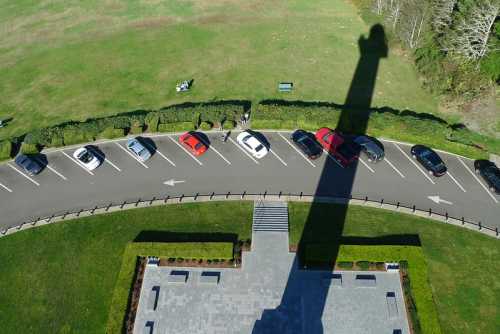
{"points": [[307, 143], [29, 164], [373, 150], [490, 173], [429, 159]]}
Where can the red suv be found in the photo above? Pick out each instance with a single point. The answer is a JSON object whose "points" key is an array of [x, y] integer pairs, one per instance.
{"points": [[343, 151], [193, 143]]}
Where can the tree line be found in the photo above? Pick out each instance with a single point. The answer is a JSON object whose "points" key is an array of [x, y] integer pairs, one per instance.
{"points": [[456, 42]]}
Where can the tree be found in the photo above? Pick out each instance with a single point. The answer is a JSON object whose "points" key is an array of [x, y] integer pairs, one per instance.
{"points": [[442, 11], [470, 34]]}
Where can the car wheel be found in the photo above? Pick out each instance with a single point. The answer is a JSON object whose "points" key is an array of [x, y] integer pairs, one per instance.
{"points": [[477, 171], [492, 189], [370, 160], [414, 156], [431, 173]]}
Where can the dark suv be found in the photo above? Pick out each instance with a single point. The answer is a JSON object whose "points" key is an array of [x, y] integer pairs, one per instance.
{"points": [[429, 159], [490, 173]]}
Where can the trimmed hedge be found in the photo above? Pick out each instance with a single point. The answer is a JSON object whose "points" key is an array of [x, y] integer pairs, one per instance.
{"points": [[111, 133], [124, 282], [29, 148], [206, 126], [176, 127], [5, 149], [417, 269], [384, 122]]}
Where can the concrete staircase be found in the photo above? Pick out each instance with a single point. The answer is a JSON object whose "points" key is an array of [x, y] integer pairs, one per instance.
{"points": [[270, 216]]}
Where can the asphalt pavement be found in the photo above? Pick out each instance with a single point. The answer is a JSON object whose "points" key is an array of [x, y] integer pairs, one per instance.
{"points": [[65, 185]]}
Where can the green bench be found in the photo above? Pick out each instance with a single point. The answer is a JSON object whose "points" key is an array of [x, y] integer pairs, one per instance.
{"points": [[285, 86]]}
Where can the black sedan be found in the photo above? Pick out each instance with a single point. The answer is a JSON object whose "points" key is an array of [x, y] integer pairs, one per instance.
{"points": [[490, 173], [306, 142], [372, 148], [429, 159], [29, 164]]}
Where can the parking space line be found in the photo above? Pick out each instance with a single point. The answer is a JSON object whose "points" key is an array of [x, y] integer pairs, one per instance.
{"points": [[5, 187], [26, 176], [156, 150], [187, 152], [331, 157], [211, 147], [296, 149], [455, 180], [477, 179], [394, 167], [243, 150], [134, 157], [414, 163], [107, 161], [366, 165], [56, 172], [278, 157], [76, 162]]}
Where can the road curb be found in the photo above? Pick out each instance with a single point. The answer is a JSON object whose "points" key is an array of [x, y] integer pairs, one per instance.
{"points": [[196, 198]]}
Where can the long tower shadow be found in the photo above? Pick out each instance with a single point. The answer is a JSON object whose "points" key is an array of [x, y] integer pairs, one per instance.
{"points": [[299, 298]]}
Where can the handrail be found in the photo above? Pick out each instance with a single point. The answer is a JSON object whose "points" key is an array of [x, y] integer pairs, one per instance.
{"points": [[301, 197]]}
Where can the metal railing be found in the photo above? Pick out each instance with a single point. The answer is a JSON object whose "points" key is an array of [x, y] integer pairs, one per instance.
{"points": [[169, 199]]}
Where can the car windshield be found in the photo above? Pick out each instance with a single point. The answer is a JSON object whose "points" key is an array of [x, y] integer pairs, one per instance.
{"points": [[247, 138], [258, 148], [346, 150], [85, 156], [197, 146], [432, 157], [327, 138]]}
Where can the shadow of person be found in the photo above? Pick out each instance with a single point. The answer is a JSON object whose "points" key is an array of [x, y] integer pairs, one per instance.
{"points": [[302, 304]]}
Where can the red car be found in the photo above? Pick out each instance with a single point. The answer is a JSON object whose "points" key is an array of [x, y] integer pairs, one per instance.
{"points": [[190, 141], [343, 151]]}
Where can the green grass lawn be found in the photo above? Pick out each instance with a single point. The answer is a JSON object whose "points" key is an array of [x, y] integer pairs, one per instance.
{"points": [[463, 266], [63, 60], [60, 278]]}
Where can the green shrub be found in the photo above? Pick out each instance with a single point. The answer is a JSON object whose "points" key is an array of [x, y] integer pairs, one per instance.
{"points": [[75, 135], [29, 148], [176, 127], [152, 119], [229, 124], [363, 265], [5, 149], [110, 133], [56, 141], [345, 265], [206, 126], [136, 130]]}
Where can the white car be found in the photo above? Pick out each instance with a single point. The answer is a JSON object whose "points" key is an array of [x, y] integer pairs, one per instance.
{"points": [[87, 158], [252, 144]]}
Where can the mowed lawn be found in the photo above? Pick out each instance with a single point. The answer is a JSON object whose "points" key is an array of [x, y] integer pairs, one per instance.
{"points": [[60, 278], [71, 60], [463, 266]]}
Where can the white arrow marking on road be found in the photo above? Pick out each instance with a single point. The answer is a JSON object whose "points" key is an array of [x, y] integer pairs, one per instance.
{"points": [[437, 200], [172, 182]]}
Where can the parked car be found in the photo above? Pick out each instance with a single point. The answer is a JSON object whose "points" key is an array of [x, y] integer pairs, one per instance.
{"points": [[191, 141], [306, 142], [490, 173], [370, 147], [138, 149], [251, 143], [342, 150], [87, 158], [429, 159], [29, 164]]}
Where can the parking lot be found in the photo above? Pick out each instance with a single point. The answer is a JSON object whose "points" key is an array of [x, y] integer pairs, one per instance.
{"points": [[66, 185]]}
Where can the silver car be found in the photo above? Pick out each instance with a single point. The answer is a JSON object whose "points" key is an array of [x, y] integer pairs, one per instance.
{"points": [[138, 149]]}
